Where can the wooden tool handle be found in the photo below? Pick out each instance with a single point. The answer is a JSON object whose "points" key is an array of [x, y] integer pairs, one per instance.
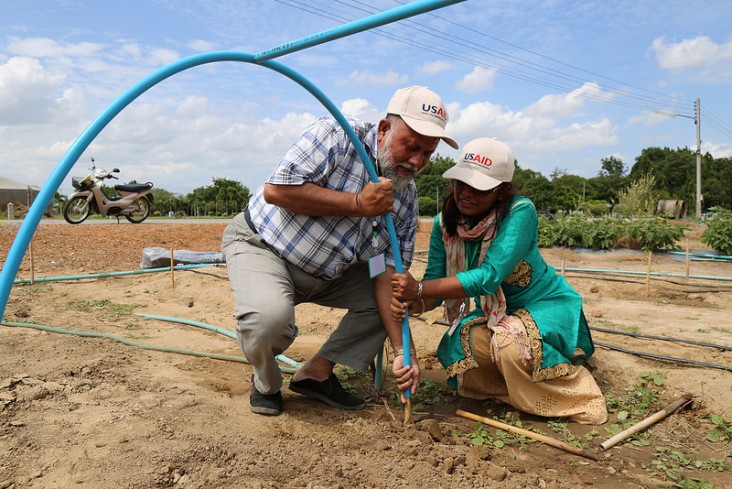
{"points": [[582, 452]]}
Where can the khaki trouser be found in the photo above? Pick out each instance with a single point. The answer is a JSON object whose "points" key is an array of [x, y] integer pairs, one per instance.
{"points": [[576, 395], [266, 290]]}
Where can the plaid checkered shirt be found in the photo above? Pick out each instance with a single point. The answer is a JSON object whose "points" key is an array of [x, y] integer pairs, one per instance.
{"points": [[325, 246]]}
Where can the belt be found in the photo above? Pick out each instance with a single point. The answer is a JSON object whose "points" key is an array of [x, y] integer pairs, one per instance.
{"points": [[248, 218]]}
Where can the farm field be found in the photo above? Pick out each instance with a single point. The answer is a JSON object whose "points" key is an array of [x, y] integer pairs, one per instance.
{"points": [[88, 412]]}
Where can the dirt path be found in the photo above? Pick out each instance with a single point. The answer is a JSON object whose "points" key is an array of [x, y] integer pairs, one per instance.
{"points": [[92, 412]]}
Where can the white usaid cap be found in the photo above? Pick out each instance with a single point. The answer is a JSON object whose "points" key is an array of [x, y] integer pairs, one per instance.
{"points": [[484, 164], [422, 110]]}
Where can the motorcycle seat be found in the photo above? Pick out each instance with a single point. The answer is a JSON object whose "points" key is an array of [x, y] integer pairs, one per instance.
{"points": [[133, 187]]}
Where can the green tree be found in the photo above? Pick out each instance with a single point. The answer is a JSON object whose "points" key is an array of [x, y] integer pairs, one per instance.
{"points": [[165, 201], [535, 186], [609, 181], [674, 172], [431, 187], [612, 167], [223, 196], [717, 182], [569, 191]]}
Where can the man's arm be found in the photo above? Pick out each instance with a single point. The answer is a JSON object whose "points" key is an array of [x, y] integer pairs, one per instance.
{"points": [[407, 377], [382, 288], [310, 199]]}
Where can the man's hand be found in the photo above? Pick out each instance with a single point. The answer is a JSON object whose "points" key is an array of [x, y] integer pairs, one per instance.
{"points": [[399, 309], [406, 377], [376, 198]]}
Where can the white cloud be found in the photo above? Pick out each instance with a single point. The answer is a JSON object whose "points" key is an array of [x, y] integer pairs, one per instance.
{"points": [[478, 80], [700, 58], [434, 67], [567, 104], [360, 108], [201, 46], [39, 47], [25, 87], [533, 137], [387, 79], [654, 118], [719, 150]]}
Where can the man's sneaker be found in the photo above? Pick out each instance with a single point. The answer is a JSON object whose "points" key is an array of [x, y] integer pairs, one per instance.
{"points": [[268, 404], [329, 391]]}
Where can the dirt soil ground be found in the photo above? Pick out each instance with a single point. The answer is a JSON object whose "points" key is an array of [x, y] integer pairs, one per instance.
{"points": [[89, 412]]}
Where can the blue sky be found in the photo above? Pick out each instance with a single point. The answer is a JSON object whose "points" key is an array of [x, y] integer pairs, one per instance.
{"points": [[565, 83]]}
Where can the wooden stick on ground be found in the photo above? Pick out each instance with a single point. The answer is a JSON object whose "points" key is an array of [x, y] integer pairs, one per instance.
{"points": [[582, 452], [670, 409], [408, 410]]}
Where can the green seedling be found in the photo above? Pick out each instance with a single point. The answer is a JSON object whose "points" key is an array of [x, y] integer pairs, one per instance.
{"points": [[722, 432]]}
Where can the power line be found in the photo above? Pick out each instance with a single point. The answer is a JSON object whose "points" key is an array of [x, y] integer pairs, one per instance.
{"points": [[438, 41]]}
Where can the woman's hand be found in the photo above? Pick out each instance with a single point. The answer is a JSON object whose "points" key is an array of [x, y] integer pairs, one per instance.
{"points": [[404, 286], [406, 377]]}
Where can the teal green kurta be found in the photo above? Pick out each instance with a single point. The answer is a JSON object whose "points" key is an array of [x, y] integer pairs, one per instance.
{"points": [[548, 306]]}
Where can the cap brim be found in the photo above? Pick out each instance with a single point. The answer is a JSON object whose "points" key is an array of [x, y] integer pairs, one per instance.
{"points": [[474, 179], [429, 129]]}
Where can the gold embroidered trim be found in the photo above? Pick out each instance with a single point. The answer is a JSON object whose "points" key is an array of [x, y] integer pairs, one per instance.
{"points": [[521, 275], [537, 351], [467, 363]]}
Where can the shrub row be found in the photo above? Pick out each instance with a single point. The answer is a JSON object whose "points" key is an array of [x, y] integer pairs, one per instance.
{"points": [[647, 234], [718, 233]]}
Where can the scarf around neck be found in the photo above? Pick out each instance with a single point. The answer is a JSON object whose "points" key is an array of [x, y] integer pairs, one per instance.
{"points": [[494, 306]]}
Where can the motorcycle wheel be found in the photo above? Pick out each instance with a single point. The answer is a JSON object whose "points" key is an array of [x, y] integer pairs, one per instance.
{"points": [[76, 210], [140, 210]]}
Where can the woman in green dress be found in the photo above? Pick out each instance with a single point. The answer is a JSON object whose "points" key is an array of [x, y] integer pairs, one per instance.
{"points": [[525, 339]]}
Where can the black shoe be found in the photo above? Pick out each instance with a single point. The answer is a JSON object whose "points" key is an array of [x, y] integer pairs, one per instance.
{"points": [[329, 391], [268, 404]]}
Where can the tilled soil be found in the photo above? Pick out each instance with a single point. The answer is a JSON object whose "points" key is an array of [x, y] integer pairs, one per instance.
{"points": [[81, 411]]}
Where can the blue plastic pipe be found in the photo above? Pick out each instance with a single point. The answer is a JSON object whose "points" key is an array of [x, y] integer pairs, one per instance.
{"points": [[376, 20], [53, 183]]}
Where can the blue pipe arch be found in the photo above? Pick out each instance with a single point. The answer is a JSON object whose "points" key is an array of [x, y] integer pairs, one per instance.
{"points": [[263, 58], [56, 178]]}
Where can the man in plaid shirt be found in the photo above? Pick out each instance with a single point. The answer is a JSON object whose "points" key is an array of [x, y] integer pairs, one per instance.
{"points": [[314, 232]]}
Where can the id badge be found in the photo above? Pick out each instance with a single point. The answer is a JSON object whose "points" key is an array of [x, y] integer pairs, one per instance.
{"points": [[377, 265]]}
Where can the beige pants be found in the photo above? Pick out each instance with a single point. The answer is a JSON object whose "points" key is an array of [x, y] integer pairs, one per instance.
{"points": [[575, 396]]}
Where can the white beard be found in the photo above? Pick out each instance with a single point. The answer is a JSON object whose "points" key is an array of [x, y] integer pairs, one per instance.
{"points": [[388, 167]]}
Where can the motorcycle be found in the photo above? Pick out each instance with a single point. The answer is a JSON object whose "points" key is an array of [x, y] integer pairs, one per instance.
{"points": [[133, 200]]}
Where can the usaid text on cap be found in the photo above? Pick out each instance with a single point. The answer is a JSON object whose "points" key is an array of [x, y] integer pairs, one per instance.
{"points": [[476, 158], [434, 109]]}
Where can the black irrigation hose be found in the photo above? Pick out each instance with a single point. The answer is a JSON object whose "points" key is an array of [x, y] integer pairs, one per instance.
{"points": [[687, 291], [663, 357], [663, 338]]}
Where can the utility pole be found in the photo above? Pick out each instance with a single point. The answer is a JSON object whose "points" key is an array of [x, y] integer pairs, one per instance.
{"points": [[697, 121]]}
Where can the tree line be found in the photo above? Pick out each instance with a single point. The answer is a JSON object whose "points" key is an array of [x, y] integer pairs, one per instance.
{"points": [[662, 173], [670, 174]]}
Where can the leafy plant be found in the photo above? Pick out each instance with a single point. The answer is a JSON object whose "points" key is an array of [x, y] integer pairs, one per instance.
{"points": [[718, 233], [103, 306], [569, 437], [655, 233], [722, 431], [640, 197], [480, 437]]}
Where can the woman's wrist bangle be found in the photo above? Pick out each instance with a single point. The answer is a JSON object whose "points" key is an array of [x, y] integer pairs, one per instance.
{"points": [[421, 311], [420, 286]]}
